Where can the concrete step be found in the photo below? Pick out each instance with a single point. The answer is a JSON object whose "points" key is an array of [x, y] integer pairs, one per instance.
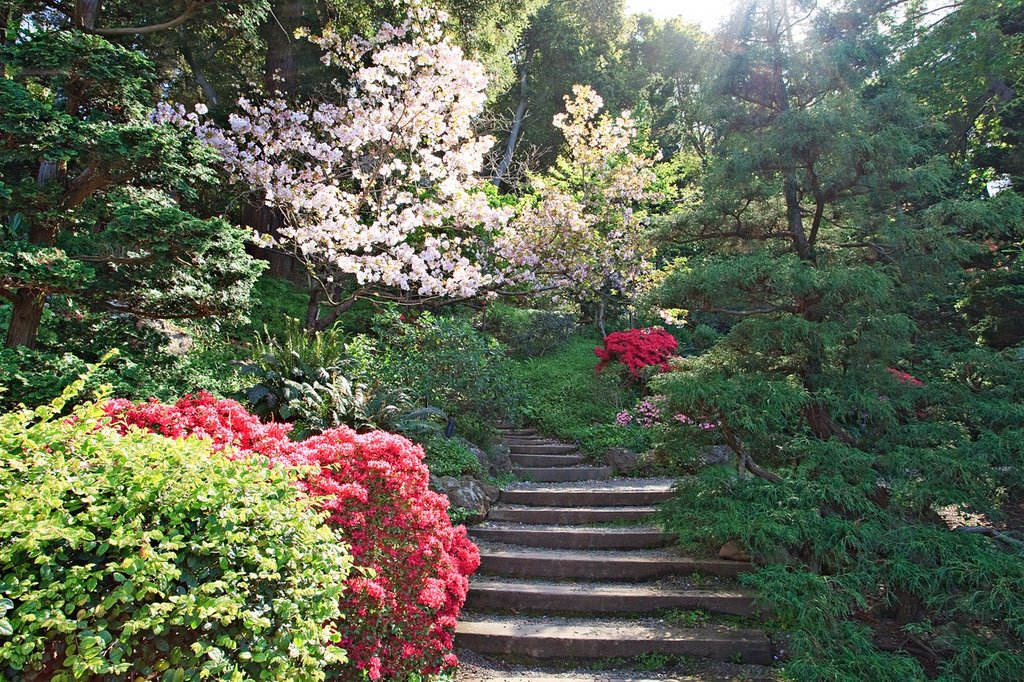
{"points": [[613, 493], [633, 566], [505, 594], [570, 537], [552, 449], [545, 460], [568, 515], [590, 639], [560, 474]]}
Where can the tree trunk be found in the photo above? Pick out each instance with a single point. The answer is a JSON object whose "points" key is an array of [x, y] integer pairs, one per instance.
{"points": [[823, 426], [27, 311], [313, 309], [26, 316], [280, 75], [794, 217], [86, 13], [209, 93], [517, 123]]}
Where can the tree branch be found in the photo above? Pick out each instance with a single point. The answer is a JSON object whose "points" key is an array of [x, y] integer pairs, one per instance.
{"points": [[751, 311], [8, 294], [992, 533], [116, 260], [745, 461], [190, 11]]}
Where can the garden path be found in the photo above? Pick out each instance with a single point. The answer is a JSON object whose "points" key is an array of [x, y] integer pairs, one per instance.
{"points": [[574, 576]]}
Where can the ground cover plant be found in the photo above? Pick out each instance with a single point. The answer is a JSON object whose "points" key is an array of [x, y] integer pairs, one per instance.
{"points": [[564, 397]]}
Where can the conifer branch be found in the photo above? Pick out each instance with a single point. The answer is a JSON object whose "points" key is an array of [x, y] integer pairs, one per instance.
{"points": [[751, 311], [745, 461], [992, 533]]}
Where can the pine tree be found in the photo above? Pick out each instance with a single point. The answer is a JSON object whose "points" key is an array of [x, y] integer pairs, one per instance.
{"points": [[96, 198], [831, 232]]}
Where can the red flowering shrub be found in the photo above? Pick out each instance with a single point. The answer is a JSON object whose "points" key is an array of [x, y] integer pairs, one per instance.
{"points": [[637, 348], [399, 617], [904, 378]]}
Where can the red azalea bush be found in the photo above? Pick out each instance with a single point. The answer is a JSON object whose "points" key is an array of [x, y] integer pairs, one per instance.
{"points": [[399, 617], [904, 378], [636, 349]]}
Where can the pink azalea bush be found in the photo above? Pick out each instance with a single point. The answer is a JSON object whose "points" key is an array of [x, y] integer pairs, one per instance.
{"points": [[649, 413], [400, 610]]}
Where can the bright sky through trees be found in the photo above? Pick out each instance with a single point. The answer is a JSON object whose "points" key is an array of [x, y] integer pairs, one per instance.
{"points": [[707, 13]]}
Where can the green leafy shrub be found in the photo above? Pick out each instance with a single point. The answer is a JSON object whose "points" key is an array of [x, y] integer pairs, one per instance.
{"points": [[142, 557], [449, 457], [299, 379], [861, 473], [445, 363], [35, 377], [527, 332]]}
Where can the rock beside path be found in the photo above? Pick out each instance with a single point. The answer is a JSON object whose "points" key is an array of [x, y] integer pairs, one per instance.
{"points": [[471, 494]]}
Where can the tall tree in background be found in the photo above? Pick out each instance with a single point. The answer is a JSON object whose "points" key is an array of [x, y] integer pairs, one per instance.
{"points": [[567, 42], [96, 198], [968, 65]]}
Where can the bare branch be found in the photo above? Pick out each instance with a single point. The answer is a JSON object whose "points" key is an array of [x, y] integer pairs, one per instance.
{"points": [[992, 533], [752, 311], [191, 10]]}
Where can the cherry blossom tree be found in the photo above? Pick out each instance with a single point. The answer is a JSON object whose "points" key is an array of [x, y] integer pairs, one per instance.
{"points": [[580, 231], [380, 182]]}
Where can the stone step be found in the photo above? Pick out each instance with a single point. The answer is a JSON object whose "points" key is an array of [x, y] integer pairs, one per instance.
{"points": [[561, 474], [570, 537], [524, 595], [568, 515], [517, 432], [590, 639], [611, 494], [511, 442], [553, 449], [545, 460], [634, 566]]}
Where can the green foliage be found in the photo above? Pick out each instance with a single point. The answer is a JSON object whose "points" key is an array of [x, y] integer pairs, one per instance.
{"points": [[445, 363], [564, 397], [102, 203], [527, 332], [303, 377], [449, 457], [829, 245], [139, 556], [156, 359]]}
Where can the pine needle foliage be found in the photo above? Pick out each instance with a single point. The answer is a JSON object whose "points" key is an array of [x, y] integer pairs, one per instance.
{"points": [[878, 447]]}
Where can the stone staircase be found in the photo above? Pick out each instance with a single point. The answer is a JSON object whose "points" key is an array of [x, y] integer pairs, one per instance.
{"points": [[571, 572]]}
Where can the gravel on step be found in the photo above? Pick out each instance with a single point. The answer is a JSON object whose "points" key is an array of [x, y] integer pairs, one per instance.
{"points": [[474, 667], [614, 484]]}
